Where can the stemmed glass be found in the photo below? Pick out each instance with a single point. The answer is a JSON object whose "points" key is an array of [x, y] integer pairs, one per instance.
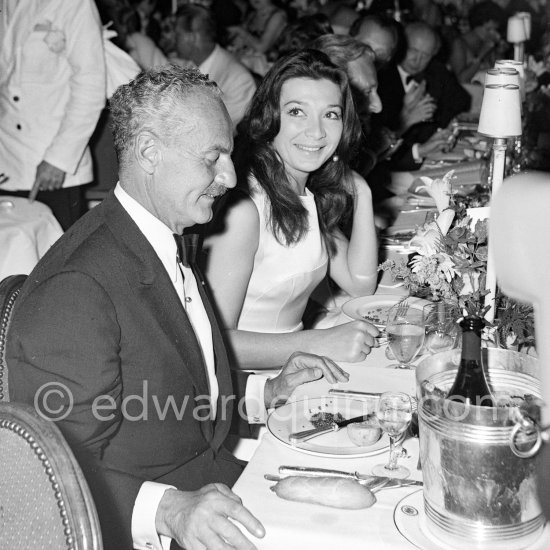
{"points": [[442, 330], [406, 332], [394, 413]]}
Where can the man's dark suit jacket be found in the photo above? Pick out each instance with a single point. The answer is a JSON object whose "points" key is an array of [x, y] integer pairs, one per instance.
{"points": [[100, 315], [451, 99]]}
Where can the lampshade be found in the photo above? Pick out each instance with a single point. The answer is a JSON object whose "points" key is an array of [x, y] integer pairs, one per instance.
{"points": [[515, 65], [526, 17], [502, 75], [516, 30], [500, 115]]}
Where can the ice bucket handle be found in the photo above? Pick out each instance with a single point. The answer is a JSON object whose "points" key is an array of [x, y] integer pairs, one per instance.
{"points": [[525, 431]]}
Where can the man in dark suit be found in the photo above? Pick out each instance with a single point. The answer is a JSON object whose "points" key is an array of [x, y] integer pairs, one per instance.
{"points": [[419, 97], [114, 337]]}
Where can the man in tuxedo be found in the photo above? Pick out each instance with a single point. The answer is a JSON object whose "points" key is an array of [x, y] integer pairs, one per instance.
{"points": [[420, 96], [113, 335]]}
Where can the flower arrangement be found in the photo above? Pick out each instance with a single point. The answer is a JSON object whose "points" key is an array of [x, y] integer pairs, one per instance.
{"points": [[450, 263]]}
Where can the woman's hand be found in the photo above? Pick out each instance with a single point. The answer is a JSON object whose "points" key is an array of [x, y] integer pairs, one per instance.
{"points": [[350, 342]]}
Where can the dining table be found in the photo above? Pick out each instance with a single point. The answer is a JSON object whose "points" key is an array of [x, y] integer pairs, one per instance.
{"points": [[27, 231], [397, 519]]}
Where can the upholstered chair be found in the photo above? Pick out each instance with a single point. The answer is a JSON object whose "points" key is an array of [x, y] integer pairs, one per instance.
{"points": [[9, 290], [45, 501]]}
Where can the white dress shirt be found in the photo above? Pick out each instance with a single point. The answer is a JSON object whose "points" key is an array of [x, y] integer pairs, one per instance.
{"points": [[144, 533]]}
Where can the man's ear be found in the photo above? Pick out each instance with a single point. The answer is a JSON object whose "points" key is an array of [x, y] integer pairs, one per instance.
{"points": [[147, 151]]}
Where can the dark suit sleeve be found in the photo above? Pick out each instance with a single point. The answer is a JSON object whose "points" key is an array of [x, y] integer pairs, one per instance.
{"points": [[65, 338], [452, 99]]}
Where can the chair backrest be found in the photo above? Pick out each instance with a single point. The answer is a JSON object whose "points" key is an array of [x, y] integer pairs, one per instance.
{"points": [[45, 500], [9, 290]]}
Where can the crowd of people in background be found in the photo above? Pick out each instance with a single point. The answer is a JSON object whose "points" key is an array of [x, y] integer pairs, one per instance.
{"points": [[433, 48]]}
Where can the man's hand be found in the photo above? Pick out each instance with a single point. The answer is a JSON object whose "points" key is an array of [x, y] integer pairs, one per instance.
{"points": [[206, 519], [414, 95], [438, 142], [48, 178], [421, 112], [300, 369]]}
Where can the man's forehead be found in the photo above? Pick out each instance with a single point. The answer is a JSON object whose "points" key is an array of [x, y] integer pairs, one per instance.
{"points": [[422, 40]]}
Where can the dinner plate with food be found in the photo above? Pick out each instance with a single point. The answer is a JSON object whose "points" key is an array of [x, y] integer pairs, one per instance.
{"points": [[328, 416], [375, 308]]}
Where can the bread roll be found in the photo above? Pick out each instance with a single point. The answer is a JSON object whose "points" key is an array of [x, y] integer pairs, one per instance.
{"points": [[327, 491], [365, 433]]}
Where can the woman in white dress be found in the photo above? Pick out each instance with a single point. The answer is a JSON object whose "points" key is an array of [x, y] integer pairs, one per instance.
{"points": [[278, 240]]}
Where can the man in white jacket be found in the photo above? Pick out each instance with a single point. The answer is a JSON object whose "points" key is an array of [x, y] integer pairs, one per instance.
{"points": [[52, 90]]}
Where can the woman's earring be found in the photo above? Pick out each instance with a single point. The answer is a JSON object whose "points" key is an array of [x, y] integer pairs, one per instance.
{"points": [[335, 158]]}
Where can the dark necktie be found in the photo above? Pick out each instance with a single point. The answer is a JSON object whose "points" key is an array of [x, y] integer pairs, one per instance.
{"points": [[187, 248]]}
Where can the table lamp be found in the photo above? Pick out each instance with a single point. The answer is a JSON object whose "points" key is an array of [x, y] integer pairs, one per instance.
{"points": [[500, 118], [519, 67], [517, 35]]}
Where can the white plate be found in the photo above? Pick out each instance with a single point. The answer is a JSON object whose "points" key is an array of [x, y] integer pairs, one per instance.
{"points": [[410, 519], [375, 308], [295, 417]]}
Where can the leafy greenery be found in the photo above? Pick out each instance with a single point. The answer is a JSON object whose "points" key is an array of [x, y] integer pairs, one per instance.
{"points": [[455, 269]]}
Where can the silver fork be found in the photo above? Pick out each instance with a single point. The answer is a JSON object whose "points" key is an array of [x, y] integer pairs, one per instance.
{"points": [[402, 308]]}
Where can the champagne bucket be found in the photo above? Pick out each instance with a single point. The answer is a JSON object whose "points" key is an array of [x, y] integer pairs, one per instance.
{"points": [[477, 462]]}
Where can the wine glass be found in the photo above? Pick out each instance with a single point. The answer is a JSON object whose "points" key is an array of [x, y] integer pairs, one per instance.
{"points": [[406, 332], [394, 413], [442, 330]]}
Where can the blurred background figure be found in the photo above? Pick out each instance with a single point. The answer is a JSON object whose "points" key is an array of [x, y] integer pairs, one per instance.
{"points": [[261, 27], [419, 96], [427, 11], [476, 51], [52, 90], [196, 36], [340, 13], [380, 33], [140, 46], [299, 33]]}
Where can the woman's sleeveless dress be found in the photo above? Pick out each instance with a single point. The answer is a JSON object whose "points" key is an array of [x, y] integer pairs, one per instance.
{"points": [[283, 277]]}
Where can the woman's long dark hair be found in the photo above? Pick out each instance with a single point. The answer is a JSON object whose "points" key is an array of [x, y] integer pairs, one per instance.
{"points": [[330, 183]]}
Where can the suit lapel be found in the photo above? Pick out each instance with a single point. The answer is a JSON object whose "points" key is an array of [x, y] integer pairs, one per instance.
{"points": [[223, 373], [147, 277]]}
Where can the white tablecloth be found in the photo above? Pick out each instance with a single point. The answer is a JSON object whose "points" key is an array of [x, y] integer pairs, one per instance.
{"points": [[300, 526], [293, 525], [27, 230]]}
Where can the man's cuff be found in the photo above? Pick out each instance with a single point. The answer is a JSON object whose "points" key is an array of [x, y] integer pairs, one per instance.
{"points": [[144, 531], [415, 154], [256, 412]]}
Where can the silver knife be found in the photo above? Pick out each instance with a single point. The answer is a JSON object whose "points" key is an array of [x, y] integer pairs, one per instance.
{"points": [[332, 427], [352, 393], [361, 478]]}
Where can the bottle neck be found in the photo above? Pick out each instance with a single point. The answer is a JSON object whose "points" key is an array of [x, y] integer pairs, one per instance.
{"points": [[471, 346]]}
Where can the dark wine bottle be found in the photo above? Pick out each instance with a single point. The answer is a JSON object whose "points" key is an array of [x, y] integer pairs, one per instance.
{"points": [[470, 386]]}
